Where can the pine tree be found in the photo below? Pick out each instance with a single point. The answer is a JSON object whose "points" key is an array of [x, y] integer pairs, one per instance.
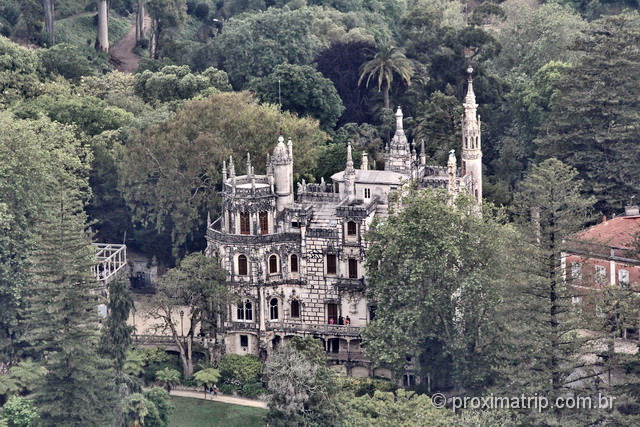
{"points": [[595, 118], [61, 320], [115, 339], [546, 345]]}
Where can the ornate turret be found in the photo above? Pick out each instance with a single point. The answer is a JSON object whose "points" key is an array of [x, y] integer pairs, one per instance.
{"points": [[398, 156], [350, 176], [283, 173], [452, 169], [471, 141], [365, 161]]}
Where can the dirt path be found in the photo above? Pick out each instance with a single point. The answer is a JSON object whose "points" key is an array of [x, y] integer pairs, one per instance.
{"points": [[224, 399], [122, 52]]}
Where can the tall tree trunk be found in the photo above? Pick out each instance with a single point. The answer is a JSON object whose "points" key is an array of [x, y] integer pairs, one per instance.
{"points": [[140, 21], [48, 19], [102, 41], [386, 95]]}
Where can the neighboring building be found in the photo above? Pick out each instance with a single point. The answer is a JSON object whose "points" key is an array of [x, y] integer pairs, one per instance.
{"points": [[604, 254], [298, 266]]}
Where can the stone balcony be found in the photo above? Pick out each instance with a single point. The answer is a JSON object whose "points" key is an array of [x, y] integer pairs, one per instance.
{"points": [[351, 285], [315, 328]]}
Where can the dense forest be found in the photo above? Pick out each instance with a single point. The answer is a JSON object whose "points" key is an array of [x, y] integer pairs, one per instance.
{"points": [[88, 152]]}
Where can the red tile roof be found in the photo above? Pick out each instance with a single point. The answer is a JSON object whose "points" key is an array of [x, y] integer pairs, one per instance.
{"points": [[618, 232]]}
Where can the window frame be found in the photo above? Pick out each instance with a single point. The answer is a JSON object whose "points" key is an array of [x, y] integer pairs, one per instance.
{"points": [[243, 265], [295, 314], [294, 262], [334, 264], [274, 309], [274, 267], [245, 338], [245, 223], [263, 219], [352, 268], [352, 229]]}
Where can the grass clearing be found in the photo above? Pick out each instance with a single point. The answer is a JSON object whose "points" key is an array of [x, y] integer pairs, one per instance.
{"points": [[81, 31], [190, 412]]}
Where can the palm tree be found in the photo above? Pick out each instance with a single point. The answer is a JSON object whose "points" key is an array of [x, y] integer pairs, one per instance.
{"points": [[136, 409], [168, 377], [389, 60], [207, 378]]}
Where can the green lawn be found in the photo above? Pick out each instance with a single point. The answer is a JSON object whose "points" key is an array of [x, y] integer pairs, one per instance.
{"points": [[80, 30], [191, 412]]}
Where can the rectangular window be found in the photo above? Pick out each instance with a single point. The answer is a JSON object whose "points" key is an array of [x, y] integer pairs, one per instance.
{"points": [[245, 223], [623, 277], [352, 228], [244, 340], [576, 270], [353, 268], [295, 308], [601, 274], [367, 193], [264, 223], [332, 313], [245, 226], [331, 264]]}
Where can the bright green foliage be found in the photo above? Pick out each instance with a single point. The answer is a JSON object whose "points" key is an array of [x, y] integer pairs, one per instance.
{"points": [[594, 121], [173, 82], [27, 374], [302, 386], [199, 285], [303, 90], [20, 412], [137, 408], [386, 63], [361, 386], [436, 274], [19, 72], [549, 207], [168, 377], [115, 339], [240, 369], [386, 409], [160, 399], [207, 378], [178, 185], [135, 362], [91, 115]]}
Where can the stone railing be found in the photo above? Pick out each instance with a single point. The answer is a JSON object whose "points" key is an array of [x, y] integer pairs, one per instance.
{"points": [[345, 284], [244, 326], [345, 330], [326, 233], [217, 236], [158, 340]]}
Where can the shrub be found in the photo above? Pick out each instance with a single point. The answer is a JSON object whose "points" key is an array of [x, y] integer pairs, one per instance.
{"points": [[20, 412], [362, 386], [240, 370], [252, 390], [201, 11], [228, 389]]}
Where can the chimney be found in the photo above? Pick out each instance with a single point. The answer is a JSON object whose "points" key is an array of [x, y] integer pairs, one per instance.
{"points": [[631, 210]]}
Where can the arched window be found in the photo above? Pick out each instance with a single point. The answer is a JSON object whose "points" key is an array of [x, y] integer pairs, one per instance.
{"points": [[293, 265], [264, 222], [273, 264], [243, 265], [352, 228], [273, 309], [248, 310], [295, 308]]}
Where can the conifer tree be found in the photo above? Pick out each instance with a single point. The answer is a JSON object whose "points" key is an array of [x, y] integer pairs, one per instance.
{"points": [[594, 120], [61, 317], [549, 208]]}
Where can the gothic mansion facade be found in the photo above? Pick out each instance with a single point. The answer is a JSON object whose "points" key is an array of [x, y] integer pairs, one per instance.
{"points": [[298, 264]]}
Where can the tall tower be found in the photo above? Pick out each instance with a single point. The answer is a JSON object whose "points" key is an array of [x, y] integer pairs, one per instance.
{"points": [[283, 174], [350, 176], [471, 141], [398, 156]]}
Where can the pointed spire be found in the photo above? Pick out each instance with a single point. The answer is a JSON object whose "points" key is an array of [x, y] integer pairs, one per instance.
{"points": [[470, 98], [232, 168], [290, 146], [224, 171], [208, 219], [399, 119], [365, 161], [349, 159], [423, 154], [248, 164]]}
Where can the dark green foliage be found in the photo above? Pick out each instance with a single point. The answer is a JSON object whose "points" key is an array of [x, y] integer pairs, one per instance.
{"points": [[66, 60], [303, 90], [116, 334], [91, 115], [19, 72], [361, 386], [549, 208], [242, 372], [60, 320], [442, 312], [164, 407], [438, 124], [593, 124], [302, 386], [341, 64]]}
